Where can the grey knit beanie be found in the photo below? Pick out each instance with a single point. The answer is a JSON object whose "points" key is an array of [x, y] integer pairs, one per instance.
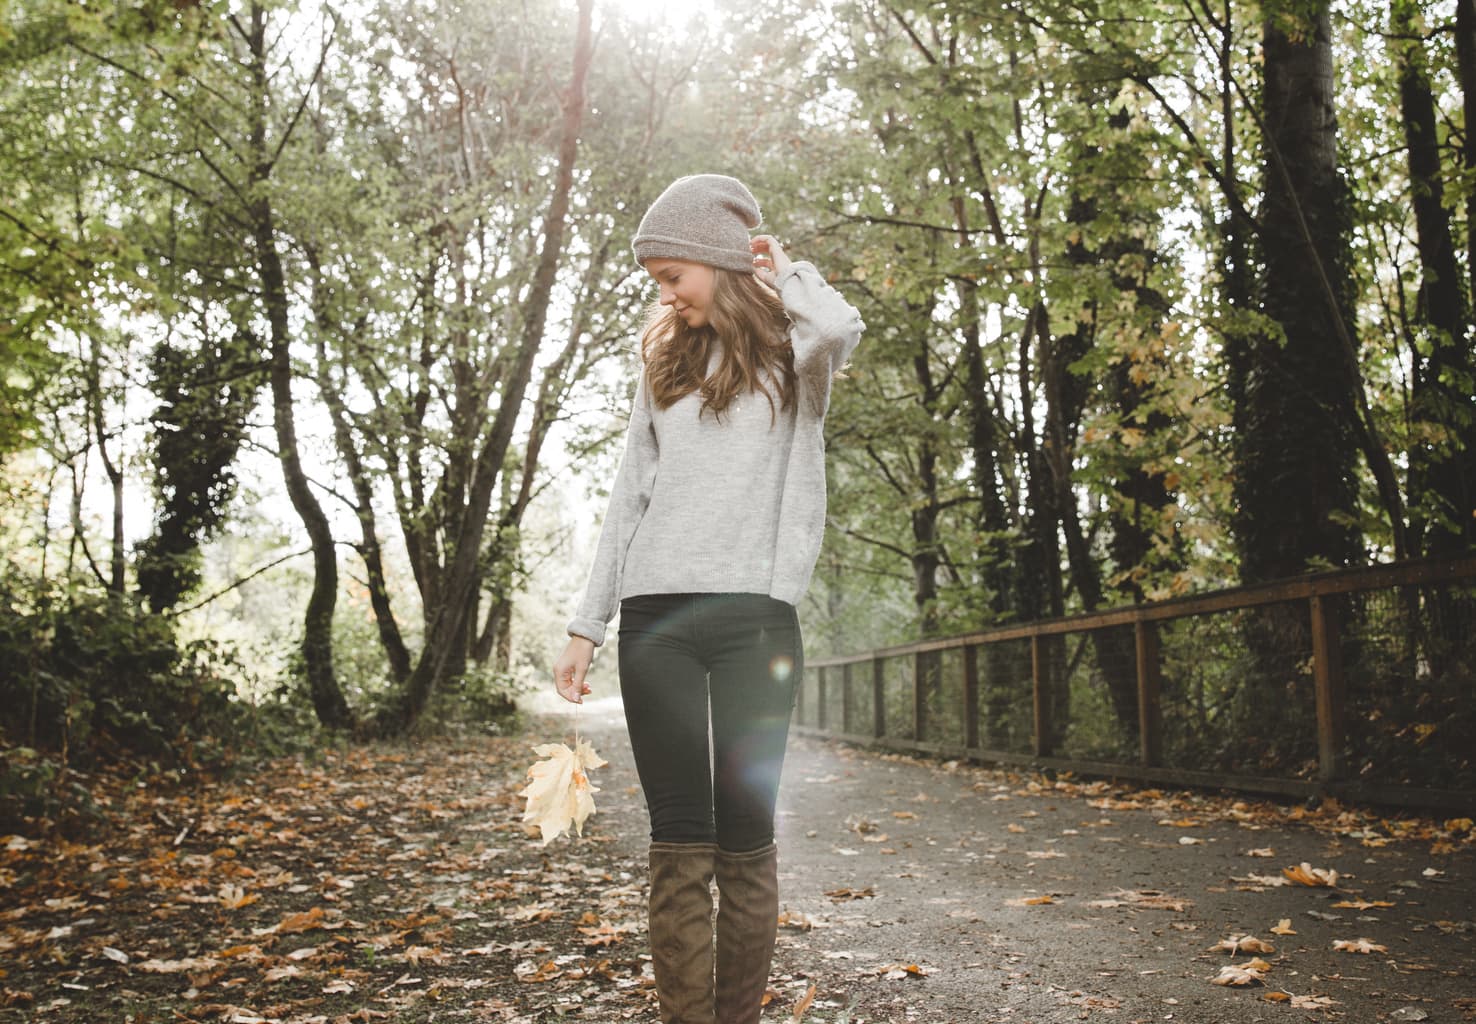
{"points": [[702, 217]]}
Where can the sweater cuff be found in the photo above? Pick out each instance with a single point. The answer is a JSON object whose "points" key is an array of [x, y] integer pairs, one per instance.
{"points": [[793, 270], [592, 630]]}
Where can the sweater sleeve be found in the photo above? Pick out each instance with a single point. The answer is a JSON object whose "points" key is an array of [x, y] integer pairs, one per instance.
{"points": [[628, 500], [826, 328]]}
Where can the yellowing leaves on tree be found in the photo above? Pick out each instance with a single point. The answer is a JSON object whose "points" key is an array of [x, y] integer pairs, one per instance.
{"points": [[559, 793]]}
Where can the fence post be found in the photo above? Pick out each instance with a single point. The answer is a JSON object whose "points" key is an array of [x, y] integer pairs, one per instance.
{"points": [[971, 697], [878, 700], [919, 695], [1327, 677], [799, 696], [1038, 681], [1150, 707], [846, 698], [820, 700]]}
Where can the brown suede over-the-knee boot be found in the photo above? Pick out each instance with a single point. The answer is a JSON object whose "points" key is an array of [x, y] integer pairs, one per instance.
{"points": [[680, 925], [747, 925]]}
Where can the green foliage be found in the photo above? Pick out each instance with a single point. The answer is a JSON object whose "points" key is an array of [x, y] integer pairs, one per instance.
{"points": [[92, 678], [204, 399], [1047, 214]]}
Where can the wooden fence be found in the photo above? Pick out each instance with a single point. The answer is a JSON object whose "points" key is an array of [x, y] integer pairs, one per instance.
{"points": [[1359, 683]]}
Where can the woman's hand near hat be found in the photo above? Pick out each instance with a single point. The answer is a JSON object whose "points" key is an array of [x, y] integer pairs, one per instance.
{"points": [[769, 259]]}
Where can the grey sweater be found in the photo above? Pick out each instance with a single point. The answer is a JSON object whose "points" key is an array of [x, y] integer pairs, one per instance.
{"points": [[702, 506]]}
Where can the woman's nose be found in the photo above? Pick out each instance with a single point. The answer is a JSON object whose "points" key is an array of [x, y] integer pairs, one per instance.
{"points": [[667, 296]]}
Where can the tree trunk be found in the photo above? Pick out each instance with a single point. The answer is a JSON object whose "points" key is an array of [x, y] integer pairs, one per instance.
{"points": [[995, 533], [925, 557], [390, 637], [117, 576], [1466, 70], [446, 635], [1041, 593], [1442, 488], [1296, 426], [317, 641], [496, 630]]}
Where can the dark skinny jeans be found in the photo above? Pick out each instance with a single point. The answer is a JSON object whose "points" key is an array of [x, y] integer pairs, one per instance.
{"points": [[728, 661]]}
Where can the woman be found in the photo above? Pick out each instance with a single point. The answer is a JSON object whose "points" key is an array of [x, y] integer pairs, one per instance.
{"points": [[712, 532]]}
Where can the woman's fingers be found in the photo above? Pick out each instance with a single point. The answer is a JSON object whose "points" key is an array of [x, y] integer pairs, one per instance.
{"points": [[571, 668], [572, 689], [769, 258]]}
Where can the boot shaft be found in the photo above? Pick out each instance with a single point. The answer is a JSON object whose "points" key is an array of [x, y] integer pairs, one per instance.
{"points": [[747, 926], [680, 923]]}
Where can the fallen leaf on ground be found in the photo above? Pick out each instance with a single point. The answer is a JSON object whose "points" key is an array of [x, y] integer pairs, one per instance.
{"points": [[537, 973], [1362, 904], [1149, 899], [194, 963], [1284, 927], [842, 895], [1240, 975], [903, 970], [233, 897], [1243, 944], [604, 933], [804, 1002], [1306, 874], [1259, 883], [305, 921], [1358, 946]]}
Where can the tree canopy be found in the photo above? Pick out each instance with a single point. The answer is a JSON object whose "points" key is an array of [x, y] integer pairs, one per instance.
{"points": [[1160, 295]]}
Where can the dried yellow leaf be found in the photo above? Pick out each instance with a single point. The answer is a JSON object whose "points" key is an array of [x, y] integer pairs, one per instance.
{"points": [[1284, 927], [1358, 946], [1306, 874], [804, 1002], [1241, 975], [559, 793], [1243, 944]]}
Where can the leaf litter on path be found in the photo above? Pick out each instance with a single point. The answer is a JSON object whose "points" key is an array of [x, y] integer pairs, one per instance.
{"points": [[346, 885]]}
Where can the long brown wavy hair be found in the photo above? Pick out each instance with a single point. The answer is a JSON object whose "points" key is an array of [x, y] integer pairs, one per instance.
{"points": [[748, 319]]}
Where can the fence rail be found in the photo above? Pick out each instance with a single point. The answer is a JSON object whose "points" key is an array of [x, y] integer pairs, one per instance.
{"points": [[1358, 683]]}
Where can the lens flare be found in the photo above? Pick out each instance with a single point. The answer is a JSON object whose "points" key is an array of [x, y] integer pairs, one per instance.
{"points": [[781, 668]]}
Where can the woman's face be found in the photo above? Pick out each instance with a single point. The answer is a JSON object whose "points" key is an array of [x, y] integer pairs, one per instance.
{"points": [[685, 286]]}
